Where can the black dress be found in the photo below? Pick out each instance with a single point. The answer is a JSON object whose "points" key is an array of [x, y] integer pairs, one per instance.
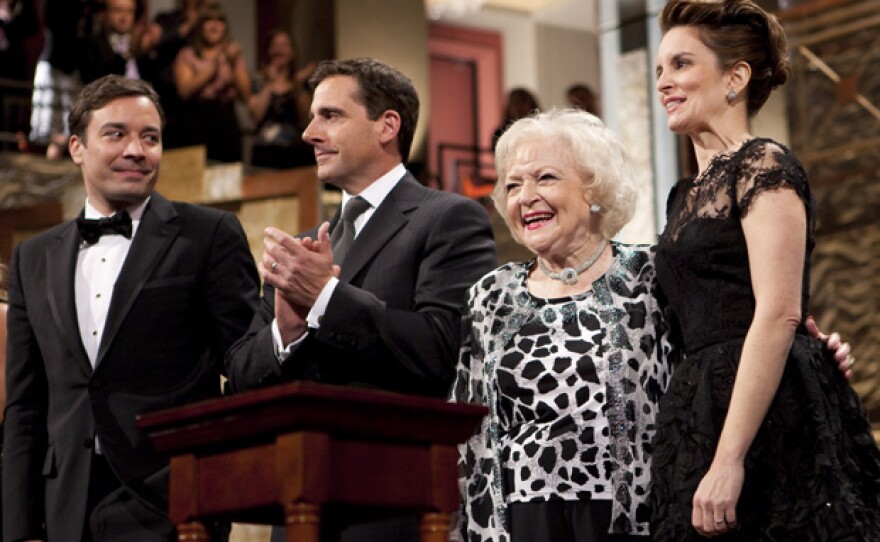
{"points": [[813, 470], [278, 142]]}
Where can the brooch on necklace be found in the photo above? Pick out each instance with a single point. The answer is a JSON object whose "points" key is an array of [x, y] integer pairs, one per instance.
{"points": [[569, 275]]}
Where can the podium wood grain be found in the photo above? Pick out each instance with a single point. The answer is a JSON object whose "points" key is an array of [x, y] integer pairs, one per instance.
{"points": [[314, 458]]}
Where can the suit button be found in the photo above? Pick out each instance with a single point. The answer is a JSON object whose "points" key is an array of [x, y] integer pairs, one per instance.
{"points": [[88, 442]]}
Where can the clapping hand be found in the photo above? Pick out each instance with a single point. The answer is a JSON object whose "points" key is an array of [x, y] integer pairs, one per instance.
{"points": [[302, 75], [298, 269], [232, 50], [146, 37]]}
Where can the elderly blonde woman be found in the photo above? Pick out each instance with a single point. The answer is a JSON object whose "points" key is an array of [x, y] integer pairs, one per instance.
{"points": [[567, 349]]}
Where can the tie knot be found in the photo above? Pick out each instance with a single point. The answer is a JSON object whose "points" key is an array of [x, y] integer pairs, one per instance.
{"points": [[354, 208], [343, 234], [91, 230], [119, 43]]}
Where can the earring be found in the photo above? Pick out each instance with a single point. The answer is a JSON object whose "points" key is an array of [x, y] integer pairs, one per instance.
{"points": [[595, 207], [731, 95]]}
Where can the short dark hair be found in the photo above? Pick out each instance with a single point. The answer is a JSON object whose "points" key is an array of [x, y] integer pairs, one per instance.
{"points": [[582, 96], [102, 91], [737, 30], [139, 9], [521, 102], [380, 88]]}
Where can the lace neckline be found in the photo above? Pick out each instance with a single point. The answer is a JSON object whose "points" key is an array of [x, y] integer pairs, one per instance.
{"points": [[722, 157]]}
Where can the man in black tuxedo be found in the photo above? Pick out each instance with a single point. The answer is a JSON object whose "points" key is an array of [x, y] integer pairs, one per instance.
{"points": [[374, 297], [386, 314], [127, 309]]}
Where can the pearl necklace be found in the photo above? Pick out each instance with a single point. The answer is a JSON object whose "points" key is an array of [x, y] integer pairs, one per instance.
{"points": [[569, 275]]}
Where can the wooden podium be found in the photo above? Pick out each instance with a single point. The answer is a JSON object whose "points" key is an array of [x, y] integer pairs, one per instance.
{"points": [[314, 458]]}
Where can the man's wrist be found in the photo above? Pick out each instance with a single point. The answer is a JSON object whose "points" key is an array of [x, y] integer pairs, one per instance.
{"points": [[282, 348], [292, 334], [316, 313], [286, 333]]}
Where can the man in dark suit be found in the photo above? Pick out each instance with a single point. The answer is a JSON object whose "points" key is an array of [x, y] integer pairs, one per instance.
{"points": [[387, 313], [108, 319], [119, 47], [374, 298]]}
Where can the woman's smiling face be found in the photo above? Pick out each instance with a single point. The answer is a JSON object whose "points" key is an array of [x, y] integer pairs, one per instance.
{"points": [[691, 86], [547, 208]]}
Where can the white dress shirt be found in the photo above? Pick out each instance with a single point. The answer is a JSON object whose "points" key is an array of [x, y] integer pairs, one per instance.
{"points": [[97, 268], [121, 45], [374, 194]]}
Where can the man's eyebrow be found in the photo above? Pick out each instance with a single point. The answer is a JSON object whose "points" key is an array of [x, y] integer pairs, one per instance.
{"points": [[114, 125], [326, 110], [124, 126]]}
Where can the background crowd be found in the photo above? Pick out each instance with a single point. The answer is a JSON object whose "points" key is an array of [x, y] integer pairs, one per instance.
{"points": [[209, 94], [188, 55], [635, 393]]}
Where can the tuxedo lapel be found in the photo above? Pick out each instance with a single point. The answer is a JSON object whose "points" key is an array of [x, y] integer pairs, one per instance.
{"points": [[385, 223], [154, 235], [61, 256]]}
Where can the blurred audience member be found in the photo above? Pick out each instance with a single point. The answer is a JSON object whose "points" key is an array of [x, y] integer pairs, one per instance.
{"points": [[520, 103], [177, 25], [119, 47], [174, 31], [56, 81], [18, 21], [210, 76], [280, 107], [3, 306], [580, 96]]}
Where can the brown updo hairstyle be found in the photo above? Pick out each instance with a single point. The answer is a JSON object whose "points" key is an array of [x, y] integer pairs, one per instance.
{"points": [[737, 30]]}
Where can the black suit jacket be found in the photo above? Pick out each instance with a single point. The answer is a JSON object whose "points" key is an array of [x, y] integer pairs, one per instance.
{"points": [[99, 59], [393, 321], [187, 289]]}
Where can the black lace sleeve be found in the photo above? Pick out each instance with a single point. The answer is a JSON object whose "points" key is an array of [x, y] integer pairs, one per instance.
{"points": [[671, 197], [767, 165]]}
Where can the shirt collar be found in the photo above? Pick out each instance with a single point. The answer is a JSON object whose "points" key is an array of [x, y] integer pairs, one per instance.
{"points": [[134, 211], [376, 193]]}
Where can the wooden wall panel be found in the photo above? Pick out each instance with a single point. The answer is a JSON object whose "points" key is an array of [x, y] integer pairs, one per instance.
{"points": [[834, 98]]}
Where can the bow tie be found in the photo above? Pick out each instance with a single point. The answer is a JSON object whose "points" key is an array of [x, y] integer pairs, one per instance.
{"points": [[92, 230]]}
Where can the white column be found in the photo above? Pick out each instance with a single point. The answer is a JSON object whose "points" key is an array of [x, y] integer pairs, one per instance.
{"points": [[609, 53], [665, 143]]}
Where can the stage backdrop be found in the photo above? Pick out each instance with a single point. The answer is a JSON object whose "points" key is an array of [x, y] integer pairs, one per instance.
{"points": [[834, 112]]}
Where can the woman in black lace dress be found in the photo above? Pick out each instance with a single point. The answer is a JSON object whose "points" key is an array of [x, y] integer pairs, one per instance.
{"points": [[759, 437]]}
